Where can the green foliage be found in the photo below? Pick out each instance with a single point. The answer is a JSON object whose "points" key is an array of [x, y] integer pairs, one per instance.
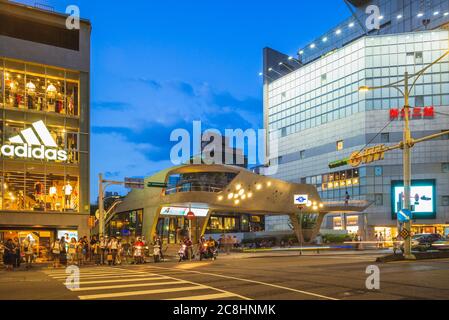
{"points": [[336, 238]]}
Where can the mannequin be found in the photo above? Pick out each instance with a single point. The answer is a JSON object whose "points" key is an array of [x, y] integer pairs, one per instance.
{"points": [[67, 195], [38, 191], [53, 192]]}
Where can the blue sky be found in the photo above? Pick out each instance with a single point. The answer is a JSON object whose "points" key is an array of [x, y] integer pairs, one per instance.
{"points": [[158, 65]]}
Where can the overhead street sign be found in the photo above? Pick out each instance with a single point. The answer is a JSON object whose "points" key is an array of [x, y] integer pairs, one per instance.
{"points": [[156, 185], [134, 183], [404, 215], [301, 199]]}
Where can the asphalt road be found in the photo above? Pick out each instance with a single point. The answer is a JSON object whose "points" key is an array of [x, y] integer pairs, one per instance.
{"points": [[289, 277]]}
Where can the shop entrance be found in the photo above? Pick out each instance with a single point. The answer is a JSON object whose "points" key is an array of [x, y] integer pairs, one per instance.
{"points": [[174, 229], [41, 240]]}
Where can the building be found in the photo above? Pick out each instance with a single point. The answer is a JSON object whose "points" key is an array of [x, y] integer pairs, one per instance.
{"points": [[44, 125], [223, 199], [313, 103]]}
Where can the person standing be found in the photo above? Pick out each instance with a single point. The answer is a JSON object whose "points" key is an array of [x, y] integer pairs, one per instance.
{"points": [[17, 253], [113, 248], [102, 247], [9, 255], [93, 241], [28, 251], [71, 251], [79, 252], [63, 252], [55, 252]]}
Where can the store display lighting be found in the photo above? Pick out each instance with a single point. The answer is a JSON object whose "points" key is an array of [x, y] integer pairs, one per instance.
{"points": [[230, 196]]}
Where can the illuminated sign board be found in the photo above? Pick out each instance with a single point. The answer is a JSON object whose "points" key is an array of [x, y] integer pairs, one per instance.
{"points": [[34, 143], [422, 199], [179, 211], [68, 234], [414, 113]]}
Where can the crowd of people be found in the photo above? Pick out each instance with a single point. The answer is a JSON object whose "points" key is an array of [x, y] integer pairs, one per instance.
{"points": [[66, 251]]}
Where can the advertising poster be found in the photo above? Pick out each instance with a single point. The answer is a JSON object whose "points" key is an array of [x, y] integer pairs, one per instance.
{"points": [[422, 199]]}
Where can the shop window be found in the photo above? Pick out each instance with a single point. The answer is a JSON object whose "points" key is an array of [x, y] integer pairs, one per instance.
{"points": [[38, 88]]}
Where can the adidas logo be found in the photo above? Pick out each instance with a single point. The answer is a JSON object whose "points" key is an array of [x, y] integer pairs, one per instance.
{"points": [[36, 144]]}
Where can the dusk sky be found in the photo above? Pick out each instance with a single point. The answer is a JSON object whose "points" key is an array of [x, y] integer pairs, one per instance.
{"points": [[158, 65]]}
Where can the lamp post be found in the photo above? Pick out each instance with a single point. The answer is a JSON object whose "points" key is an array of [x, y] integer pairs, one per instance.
{"points": [[407, 144]]}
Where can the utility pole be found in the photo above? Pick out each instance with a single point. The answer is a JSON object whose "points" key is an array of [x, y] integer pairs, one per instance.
{"points": [[407, 145], [100, 205]]}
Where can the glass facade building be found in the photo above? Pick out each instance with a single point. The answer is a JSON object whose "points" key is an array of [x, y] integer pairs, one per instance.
{"points": [[317, 115], [44, 125]]}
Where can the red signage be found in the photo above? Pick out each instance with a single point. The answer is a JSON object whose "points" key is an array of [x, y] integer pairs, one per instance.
{"points": [[190, 215], [414, 113]]}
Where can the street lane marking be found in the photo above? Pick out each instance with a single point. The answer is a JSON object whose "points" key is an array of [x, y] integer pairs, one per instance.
{"points": [[205, 297], [138, 293], [205, 286], [256, 282], [122, 286], [119, 280], [115, 275]]}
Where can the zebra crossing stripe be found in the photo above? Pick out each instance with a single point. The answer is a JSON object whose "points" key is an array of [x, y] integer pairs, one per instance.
{"points": [[120, 280], [206, 297], [123, 286], [139, 293]]}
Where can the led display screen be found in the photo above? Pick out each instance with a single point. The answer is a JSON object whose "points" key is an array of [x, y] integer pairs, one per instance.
{"points": [[422, 199]]}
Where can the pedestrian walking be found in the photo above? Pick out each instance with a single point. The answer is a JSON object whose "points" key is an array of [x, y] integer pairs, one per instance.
{"points": [[55, 253]]}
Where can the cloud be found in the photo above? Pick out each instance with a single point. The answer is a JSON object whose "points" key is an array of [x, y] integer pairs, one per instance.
{"points": [[133, 137]]}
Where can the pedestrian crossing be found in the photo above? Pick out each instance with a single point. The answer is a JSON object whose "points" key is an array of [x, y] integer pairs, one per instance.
{"points": [[115, 283]]}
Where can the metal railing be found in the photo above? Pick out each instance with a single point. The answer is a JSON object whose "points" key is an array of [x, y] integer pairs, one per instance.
{"points": [[194, 188]]}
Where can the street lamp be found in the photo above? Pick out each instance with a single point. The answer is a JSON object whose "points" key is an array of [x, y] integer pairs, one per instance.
{"points": [[407, 143], [272, 70], [286, 66]]}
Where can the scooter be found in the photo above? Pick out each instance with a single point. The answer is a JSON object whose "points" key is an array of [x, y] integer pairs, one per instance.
{"points": [[207, 252], [138, 255], [182, 253], [157, 253]]}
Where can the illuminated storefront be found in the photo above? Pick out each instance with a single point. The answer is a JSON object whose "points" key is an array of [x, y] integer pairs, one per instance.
{"points": [[44, 127]]}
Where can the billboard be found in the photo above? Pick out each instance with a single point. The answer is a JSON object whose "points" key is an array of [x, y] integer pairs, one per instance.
{"points": [[178, 211], [422, 199]]}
